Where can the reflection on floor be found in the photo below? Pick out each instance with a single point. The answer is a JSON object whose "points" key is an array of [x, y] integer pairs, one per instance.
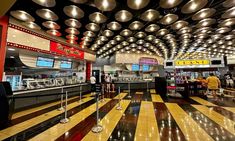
{"points": [[145, 116]]}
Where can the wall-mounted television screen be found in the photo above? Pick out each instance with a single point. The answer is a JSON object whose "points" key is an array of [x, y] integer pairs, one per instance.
{"points": [[65, 65], [169, 63], [216, 62], [135, 67], [45, 62], [145, 68]]}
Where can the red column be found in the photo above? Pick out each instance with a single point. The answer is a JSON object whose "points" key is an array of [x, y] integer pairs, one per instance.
{"points": [[3, 38], [88, 71]]}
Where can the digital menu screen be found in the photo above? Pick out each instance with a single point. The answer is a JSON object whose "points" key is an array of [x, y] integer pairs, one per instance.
{"points": [[145, 68], [135, 67], [45, 62], [65, 65]]}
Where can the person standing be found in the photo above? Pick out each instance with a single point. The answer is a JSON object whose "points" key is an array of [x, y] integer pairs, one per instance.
{"points": [[108, 80], [103, 82], [93, 81], [213, 84]]}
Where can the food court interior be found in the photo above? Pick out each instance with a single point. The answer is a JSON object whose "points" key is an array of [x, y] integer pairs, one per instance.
{"points": [[117, 70]]}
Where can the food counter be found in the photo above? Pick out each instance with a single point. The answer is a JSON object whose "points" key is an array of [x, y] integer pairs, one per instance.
{"points": [[72, 90], [134, 85]]}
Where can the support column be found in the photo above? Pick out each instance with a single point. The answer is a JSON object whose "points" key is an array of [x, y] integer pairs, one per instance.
{"points": [[3, 38], [88, 71]]}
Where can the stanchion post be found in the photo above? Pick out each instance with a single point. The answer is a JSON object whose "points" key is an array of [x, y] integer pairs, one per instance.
{"points": [[147, 86], [129, 90], [102, 93], [97, 128], [80, 97], [65, 120], [61, 100], [119, 107]]}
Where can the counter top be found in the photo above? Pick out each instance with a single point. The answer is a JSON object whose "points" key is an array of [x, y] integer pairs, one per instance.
{"points": [[117, 82], [45, 89]]}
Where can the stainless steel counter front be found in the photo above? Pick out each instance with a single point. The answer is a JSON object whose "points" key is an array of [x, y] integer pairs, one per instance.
{"points": [[46, 89], [39, 96], [135, 85]]}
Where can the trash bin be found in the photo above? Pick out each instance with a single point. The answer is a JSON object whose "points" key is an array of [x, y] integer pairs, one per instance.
{"points": [[6, 104], [161, 86]]}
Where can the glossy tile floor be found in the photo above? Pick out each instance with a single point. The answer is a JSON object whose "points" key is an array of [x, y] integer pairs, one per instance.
{"points": [[143, 117]]}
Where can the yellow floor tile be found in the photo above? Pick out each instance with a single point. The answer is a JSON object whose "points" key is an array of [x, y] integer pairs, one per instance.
{"points": [[109, 122], [126, 91], [152, 91], [139, 92], [217, 117], [156, 98], [36, 120], [121, 96], [32, 110], [59, 129], [202, 101], [231, 109], [187, 125], [146, 122]]}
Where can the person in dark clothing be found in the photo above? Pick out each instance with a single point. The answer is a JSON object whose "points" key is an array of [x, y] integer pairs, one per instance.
{"points": [[103, 81]]}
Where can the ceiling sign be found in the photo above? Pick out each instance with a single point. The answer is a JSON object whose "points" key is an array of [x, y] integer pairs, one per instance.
{"points": [[191, 62], [147, 60], [66, 51]]}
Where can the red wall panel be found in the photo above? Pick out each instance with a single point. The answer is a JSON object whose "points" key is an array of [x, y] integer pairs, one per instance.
{"points": [[4, 23]]}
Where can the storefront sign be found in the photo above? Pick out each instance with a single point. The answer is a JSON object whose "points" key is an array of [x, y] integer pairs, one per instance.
{"points": [[65, 50], [191, 62], [149, 61]]}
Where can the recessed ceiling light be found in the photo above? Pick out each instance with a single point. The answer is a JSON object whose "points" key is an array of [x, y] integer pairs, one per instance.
{"points": [[47, 14], [32, 25], [97, 17], [169, 3], [46, 3], [150, 15], [137, 4], [73, 11], [193, 6], [123, 16], [73, 23], [105, 5], [22, 15]]}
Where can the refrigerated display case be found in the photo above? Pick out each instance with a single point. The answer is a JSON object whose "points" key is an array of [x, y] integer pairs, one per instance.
{"points": [[15, 81]]}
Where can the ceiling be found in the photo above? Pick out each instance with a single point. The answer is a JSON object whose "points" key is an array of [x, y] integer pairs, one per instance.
{"points": [[173, 29]]}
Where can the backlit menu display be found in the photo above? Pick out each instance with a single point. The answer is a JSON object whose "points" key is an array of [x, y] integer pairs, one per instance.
{"points": [[45, 62], [65, 65], [145, 68], [135, 67]]}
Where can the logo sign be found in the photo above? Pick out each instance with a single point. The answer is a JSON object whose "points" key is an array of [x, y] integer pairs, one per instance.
{"points": [[65, 50], [149, 61], [191, 62]]}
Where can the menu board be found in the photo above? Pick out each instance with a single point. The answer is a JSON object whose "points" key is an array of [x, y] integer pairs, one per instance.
{"points": [[45, 62], [65, 65], [145, 68], [135, 67]]}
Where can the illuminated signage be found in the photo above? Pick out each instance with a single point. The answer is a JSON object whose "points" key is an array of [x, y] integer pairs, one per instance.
{"points": [[149, 61], [191, 62], [65, 50]]}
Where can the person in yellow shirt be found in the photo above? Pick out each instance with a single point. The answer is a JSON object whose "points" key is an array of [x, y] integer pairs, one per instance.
{"points": [[213, 84]]}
